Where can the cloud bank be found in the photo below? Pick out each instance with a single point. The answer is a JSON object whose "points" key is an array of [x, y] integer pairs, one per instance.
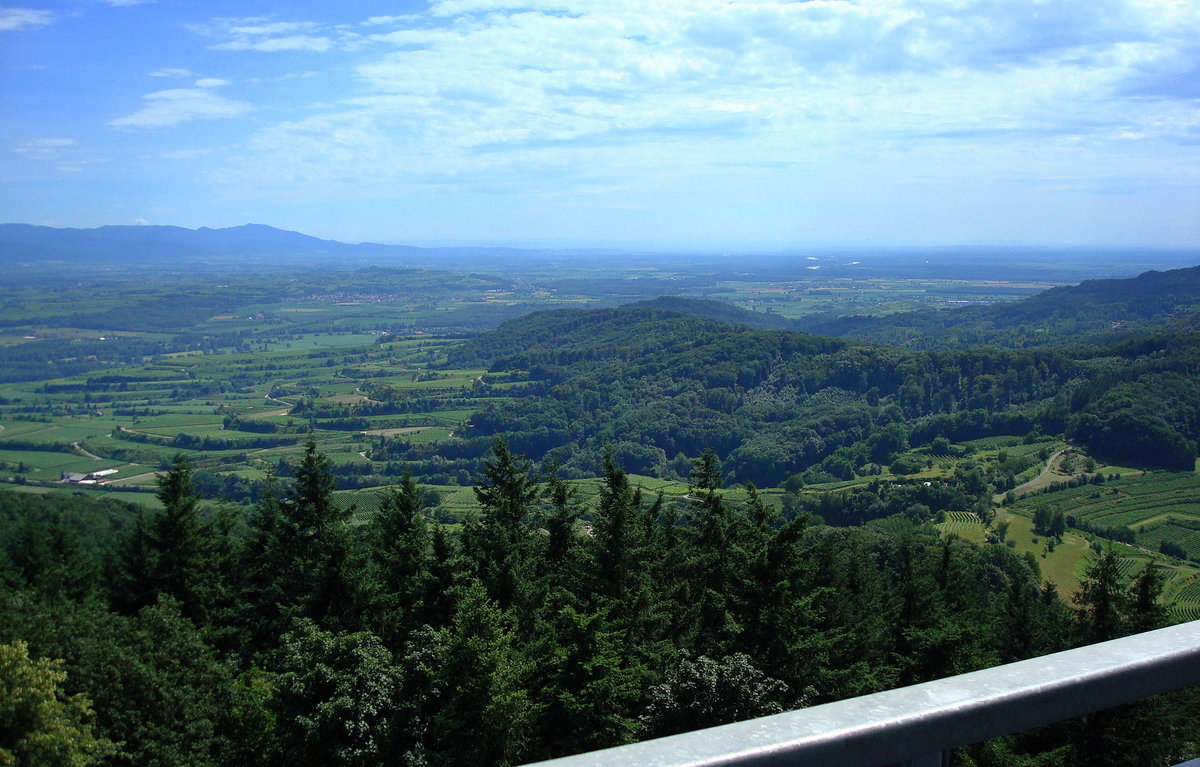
{"points": [[476, 88]]}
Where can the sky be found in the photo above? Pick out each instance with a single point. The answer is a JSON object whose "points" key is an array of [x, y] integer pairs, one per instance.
{"points": [[657, 124]]}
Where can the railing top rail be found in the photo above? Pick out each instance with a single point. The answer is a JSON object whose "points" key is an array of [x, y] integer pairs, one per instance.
{"points": [[906, 723]]}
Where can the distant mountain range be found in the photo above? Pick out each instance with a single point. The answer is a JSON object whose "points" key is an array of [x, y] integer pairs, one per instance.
{"points": [[25, 244]]}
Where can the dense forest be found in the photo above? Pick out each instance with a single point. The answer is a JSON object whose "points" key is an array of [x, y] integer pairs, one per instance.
{"points": [[654, 385], [294, 638]]}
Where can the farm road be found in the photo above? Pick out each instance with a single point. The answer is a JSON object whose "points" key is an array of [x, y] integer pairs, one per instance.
{"points": [[1049, 473], [84, 452]]}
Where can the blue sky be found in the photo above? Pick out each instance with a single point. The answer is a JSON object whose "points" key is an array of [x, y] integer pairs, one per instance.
{"points": [[672, 124]]}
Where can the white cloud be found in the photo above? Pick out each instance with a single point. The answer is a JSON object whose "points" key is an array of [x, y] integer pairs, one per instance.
{"points": [[387, 19], [172, 72], [62, 153], [258, 33], [24, 18], [45, 148], [178, 105], [185, 154], [272, 44], [516, 91], [305, 74], [127, 3], [254, 28], [210, 82]]}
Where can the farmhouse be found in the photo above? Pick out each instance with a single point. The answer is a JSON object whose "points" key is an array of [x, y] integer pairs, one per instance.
{"points": [[91, 478]]}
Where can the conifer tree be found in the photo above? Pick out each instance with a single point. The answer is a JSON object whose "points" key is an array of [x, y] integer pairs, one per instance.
{"points": [[49, 556], [1101, 599], [398, 555], [1145, 612], [586, 689], [562, 537], [131, 576], [500, 544], [718, 564], [485, 712], [669, 563], [184, 544], [174, 552], [301, 557], [617, 540], [446, 566]]}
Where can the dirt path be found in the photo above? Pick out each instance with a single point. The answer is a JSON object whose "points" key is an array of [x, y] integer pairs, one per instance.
{"points": [[79, 449], [271, 413], [395, 431], [1048, 474], [133, 479], [147, 433], [266, 414]]}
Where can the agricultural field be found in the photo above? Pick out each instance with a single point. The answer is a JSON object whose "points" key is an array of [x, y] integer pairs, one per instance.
{"points": [[965, 525], [237, 372], [1154, 506], [1064, 564], [1184, 597], [230, 413], [868, 296]]}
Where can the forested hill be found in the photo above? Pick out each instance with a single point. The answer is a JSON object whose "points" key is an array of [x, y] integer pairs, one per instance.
{"points": [[1095, 311], [652, 385], [637, 333], [717, 310]]}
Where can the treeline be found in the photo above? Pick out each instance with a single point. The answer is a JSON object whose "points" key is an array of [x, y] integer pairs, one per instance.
{"points": [[185, 441], [916, 501], [397, 402], [544, 628]]}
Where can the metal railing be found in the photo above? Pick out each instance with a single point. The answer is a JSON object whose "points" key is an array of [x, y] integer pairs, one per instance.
{"points": [[917, 725]]}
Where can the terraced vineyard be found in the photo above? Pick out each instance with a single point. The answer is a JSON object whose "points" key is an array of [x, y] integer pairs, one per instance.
{"points": [[1129, 567], [1185, 601], [1156, 506], [1186, 538], [964, 524]]}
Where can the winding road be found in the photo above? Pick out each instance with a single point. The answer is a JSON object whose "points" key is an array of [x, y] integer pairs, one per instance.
{"points": [[1048, 474], [84, 451]]}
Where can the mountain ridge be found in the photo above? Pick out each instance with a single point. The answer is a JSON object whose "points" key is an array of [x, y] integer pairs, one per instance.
{"points": [[29, 242]]}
